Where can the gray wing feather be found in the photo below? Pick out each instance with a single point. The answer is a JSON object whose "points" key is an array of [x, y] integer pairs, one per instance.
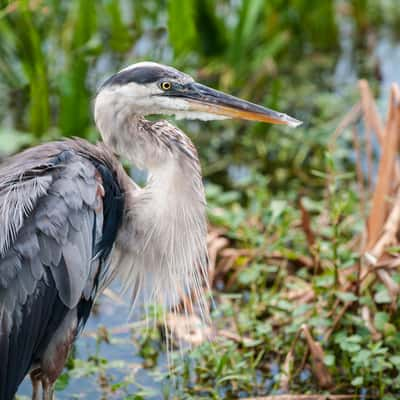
{"points": [[18, 198], [11, 265], [51, 225], [36, 268], [56, 219]]}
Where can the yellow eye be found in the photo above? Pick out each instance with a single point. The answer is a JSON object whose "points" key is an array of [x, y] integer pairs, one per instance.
{"points": [[166, 85]]}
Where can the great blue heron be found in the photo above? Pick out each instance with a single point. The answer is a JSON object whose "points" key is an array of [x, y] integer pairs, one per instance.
{"points": [[72, 220]]}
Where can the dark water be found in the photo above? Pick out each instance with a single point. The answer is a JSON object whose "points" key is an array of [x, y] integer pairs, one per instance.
{"points": [[385, 54], [388, 53]]}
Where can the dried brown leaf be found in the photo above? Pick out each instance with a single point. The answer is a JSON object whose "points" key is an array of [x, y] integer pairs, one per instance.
{"points": [[374, 256], [188, 328], [214, 247], [384, 185], [306, 224], [372, 118], [320, 370]]}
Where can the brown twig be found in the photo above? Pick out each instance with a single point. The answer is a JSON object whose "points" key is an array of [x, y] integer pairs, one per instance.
{"points": [[320, 370], [360, 176], [337, 319], [349, 119]]}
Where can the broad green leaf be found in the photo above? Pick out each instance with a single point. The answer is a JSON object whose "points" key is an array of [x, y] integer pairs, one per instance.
{"points": [[181, 25]]}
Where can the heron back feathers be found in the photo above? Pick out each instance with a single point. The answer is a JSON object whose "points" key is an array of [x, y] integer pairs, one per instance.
{"points": [[60, 209]]}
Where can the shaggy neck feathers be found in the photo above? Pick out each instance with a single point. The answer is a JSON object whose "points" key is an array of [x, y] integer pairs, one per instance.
{"points": [[161, 248]]}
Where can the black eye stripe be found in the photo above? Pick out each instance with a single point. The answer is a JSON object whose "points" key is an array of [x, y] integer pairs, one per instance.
{"points": [[141, 75]]}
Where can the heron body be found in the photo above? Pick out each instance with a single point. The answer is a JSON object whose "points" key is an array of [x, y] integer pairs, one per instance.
{"points": [[71, 219]]}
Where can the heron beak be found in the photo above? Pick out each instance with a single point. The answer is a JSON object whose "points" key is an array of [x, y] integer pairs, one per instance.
{"points": [[204, 99]]}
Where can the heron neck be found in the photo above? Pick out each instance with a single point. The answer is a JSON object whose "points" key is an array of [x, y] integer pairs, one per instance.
{"points": [[161, 248], [174, 194]]}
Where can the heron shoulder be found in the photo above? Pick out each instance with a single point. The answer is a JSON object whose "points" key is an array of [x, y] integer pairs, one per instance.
{"points": [[56, 204]]}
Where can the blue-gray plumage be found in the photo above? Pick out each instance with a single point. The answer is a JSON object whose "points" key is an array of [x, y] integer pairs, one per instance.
{"points": [[71, 220], [52, 197]]}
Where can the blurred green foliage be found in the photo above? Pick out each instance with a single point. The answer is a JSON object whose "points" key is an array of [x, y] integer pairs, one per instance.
{"points": [[280, 53]]}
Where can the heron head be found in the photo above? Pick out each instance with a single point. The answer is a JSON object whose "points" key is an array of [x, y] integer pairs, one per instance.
{"points": [[151, 88]]}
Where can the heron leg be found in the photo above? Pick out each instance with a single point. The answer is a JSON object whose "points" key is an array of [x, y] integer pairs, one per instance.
{"points": [[48, 389], [35, 379]]}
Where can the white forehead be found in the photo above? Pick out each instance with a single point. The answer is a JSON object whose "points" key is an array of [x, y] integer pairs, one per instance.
{"points": [[184, 78], [145, 64]]}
